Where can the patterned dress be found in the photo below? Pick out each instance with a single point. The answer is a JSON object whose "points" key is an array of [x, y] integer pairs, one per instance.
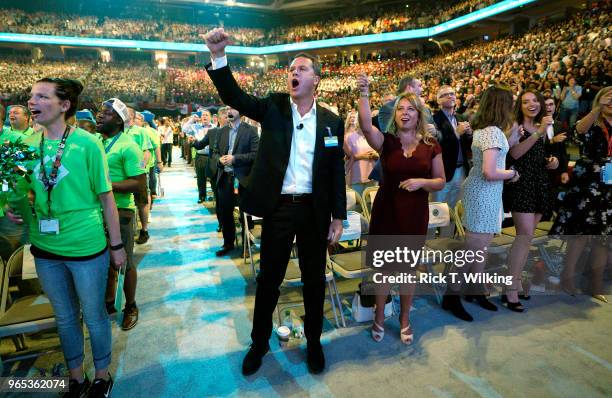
{"points": [[482, 199], [586, 208], [531, 193]]}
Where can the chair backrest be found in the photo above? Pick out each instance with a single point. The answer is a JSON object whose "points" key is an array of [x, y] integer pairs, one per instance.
{"points": [[2, 268], [15, 262], [368, 199], [354, 202], [13, 267], [458, 216]]}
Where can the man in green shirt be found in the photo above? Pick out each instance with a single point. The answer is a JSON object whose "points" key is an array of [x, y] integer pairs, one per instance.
{"points": [[140, 136], [155, 162], [128, 175], [19, 117]]}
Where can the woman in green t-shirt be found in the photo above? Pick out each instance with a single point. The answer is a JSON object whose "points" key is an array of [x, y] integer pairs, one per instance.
{"points": [[70, 184]]}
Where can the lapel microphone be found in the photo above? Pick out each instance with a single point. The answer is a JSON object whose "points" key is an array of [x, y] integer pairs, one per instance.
{"points": [[300, 126]]}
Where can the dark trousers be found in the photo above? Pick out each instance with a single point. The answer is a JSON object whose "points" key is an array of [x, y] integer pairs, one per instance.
{"points": [[166, 153], [153, 180], [290, 220], [226, 201], [213, 183], [187, 151], [201, 164]]}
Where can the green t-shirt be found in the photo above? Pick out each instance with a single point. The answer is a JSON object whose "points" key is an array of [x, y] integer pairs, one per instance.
{"points": [[82, 176], [154, 139], [140, 137], [125, 160], [10, 135]]}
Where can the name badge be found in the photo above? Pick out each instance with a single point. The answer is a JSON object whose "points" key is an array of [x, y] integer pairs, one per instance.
{"points": [[331, 141], [49, 226], [606, 174]]}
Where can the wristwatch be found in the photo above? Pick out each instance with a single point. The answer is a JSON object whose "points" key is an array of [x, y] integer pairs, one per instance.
{"points": [[117, 247]]}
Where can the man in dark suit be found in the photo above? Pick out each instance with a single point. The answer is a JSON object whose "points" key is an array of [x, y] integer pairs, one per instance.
{"points": [[211, 140], [296, 185], [455, 140], [237, 148]]}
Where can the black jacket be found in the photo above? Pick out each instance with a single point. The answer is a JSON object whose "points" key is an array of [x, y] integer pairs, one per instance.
{"points": [[451, 145], [211, 139], [262, 190], [244, 152]]}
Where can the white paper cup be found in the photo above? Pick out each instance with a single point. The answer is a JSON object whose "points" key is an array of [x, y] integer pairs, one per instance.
{"points": [[283, 333]]}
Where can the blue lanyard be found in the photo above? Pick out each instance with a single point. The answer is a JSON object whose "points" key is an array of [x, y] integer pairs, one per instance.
{"points": [[108, 148]]}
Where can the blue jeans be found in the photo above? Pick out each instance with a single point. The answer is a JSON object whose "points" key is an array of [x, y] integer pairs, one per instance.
{"points": [[67, 283], [453, 189], [568, 116]]}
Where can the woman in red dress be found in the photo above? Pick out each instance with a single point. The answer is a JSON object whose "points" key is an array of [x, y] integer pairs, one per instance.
{"points": [[412, 168]]}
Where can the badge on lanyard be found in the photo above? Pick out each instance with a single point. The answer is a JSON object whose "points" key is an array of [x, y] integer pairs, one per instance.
{"points": [[606, 174], [330, 140], [49, 226]]}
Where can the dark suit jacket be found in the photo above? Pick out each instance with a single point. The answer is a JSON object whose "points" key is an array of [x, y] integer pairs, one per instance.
{"points": [[211, 139], [450, 145], [262, 189], [244, 151]]}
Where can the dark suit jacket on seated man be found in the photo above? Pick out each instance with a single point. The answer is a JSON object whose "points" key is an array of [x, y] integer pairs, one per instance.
{"points": [[297, 186]]}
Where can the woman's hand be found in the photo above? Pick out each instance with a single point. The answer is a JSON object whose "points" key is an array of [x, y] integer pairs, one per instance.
{"points": [[13, 217], [363, 84], [118, 258], [546, 121], [515, 178], [559, 138], [553, 163], [412, 184]]}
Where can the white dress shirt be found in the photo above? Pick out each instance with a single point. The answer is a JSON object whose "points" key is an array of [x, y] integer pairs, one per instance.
{"points": [[298, 176]]}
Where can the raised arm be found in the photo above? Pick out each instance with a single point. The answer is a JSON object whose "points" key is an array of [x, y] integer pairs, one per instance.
{"points": [[231, 94], [521, 148], [373, 135]]}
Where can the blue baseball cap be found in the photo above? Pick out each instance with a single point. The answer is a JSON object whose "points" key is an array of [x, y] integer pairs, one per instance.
{"points": [[85, 114]]}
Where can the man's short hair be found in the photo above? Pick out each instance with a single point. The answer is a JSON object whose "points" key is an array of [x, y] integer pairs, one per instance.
{"points": [[404, 83], [443, 88], [316, 66]]}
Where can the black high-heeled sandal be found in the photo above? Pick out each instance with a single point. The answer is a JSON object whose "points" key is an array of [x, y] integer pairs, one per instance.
{"points": [[516, 307], [524, 296]]}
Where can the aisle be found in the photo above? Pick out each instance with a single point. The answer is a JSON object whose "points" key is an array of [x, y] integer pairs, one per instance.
{"points": [[195, 319]]}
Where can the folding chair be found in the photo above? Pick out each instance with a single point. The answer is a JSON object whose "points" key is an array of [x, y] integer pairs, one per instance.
{"points": [[293, 279], [440, 215], [252, 239], [368, 199], [27, 314]]}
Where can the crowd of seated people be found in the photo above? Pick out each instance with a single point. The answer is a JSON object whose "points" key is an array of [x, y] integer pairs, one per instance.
{"points": [[417, 15], [546, 58]]}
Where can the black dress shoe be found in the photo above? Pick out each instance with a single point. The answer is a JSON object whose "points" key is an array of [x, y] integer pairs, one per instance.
{"points": [[452, 302], [315, 358], [224, 250], [219, 229], [200, 200], [252, 360], [482, 301]]}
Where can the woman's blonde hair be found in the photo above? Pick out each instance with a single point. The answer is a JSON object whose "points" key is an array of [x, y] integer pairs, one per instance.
{"points": [[600, 94], [421, 123], [347, 121]]}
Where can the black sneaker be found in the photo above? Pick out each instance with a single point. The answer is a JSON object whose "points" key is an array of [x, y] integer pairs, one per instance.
{"points": [[76, 389], [101, 388], [143, 237]]}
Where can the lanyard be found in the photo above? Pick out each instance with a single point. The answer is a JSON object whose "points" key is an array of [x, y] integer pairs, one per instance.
{"points": [[108, 148], [50, 181]]}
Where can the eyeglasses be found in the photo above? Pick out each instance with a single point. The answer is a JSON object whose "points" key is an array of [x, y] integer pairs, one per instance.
{"points": [[446, 95]]}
